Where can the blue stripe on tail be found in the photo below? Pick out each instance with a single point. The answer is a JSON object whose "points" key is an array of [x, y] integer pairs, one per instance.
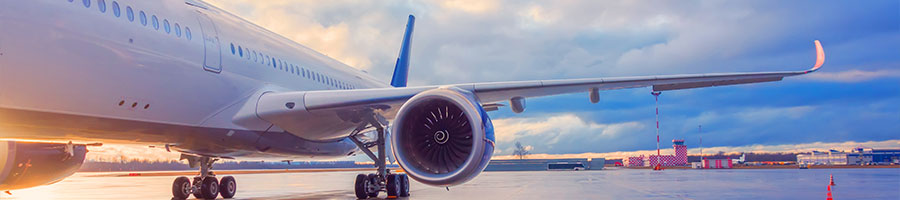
{"points": [[401, 69]]}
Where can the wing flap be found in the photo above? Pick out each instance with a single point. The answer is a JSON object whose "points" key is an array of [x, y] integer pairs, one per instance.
{"points": [[679, 86]]}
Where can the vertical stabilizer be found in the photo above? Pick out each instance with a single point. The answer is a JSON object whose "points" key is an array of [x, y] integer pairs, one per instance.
{"points": [[401, 69]]}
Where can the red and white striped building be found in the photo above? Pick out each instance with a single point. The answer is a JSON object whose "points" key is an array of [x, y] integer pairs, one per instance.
{"points": [[635, 161], [679, 159]]}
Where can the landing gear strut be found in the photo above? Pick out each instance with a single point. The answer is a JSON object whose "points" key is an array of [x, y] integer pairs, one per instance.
{"points": [[369, 185], [205, 185]]}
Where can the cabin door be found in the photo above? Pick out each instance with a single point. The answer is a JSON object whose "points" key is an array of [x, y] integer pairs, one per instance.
{"points": [[212, 57]]}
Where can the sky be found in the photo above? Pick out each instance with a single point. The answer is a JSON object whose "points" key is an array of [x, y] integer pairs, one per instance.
{"points": [[853, 98]]}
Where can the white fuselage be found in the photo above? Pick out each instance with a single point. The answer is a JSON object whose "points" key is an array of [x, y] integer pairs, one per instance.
{"points": [[159, 72]]}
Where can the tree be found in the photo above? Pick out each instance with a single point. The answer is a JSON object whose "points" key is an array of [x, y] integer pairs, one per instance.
{"points": [[520, 151]]}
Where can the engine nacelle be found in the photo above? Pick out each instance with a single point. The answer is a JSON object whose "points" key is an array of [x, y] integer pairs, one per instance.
{"points": [[443, 137], [30, 164]]}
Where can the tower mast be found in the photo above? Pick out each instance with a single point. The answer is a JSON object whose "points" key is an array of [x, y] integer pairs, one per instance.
{"points": [[658, 159], [700, 131]]}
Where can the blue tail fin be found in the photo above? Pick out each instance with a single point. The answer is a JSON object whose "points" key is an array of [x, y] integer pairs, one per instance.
{"points": [[401, 69]]}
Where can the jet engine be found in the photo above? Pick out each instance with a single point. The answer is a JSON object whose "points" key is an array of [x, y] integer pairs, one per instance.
{"points": [[442, 137], [30, 164]]}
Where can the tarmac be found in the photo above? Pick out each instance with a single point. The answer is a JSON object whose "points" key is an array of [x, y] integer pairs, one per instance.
{"points": [[612, 183]]}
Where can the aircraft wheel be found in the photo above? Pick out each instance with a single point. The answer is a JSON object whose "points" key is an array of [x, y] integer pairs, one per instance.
{"points": [[373, 181], [181, 188], [227, 187], [196, 188], [209, 188], [404, 185], [361, 184], [393, 185]]}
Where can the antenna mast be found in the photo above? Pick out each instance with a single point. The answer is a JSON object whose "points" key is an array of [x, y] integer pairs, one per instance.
{"points": [[700, 131], [658, 159]]}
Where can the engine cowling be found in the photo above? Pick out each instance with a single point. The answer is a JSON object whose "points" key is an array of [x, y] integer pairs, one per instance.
{"points": [[30, 164], [442, 137]]}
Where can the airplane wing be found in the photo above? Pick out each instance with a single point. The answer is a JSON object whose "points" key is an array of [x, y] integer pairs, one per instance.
{"points": [[389, 99]]}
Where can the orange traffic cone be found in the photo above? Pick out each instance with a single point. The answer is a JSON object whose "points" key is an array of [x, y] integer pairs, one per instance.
{"points": [[829, 194], [832, 179]]}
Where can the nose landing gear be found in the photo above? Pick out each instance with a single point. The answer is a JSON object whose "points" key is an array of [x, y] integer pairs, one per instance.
{"points": [[205, 185], [369, 185]]}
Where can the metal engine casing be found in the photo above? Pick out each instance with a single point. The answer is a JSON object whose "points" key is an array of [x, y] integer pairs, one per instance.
{"points": [[482, 137], [30, 164]]}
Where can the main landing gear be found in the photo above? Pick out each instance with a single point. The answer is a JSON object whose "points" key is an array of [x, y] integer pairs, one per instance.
{"points": [[369, 185], [204, 186]]}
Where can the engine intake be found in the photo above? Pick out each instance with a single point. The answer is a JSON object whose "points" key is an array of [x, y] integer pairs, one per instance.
{"points": [[30, 164], [442, 137]]}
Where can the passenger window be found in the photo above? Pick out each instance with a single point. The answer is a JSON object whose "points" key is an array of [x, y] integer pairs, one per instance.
{"points": [[254, 56], [87, 3], [292, 69], [155, 22], [129, 13], [101, 4], [273, 62], [240, 51], [143, 17], [115, 7], [187, 33], [177, 30], [232, 48], [166, 26]]}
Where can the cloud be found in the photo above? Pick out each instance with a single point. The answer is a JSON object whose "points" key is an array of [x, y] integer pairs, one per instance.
{"points": [[852, 76], [557, 132], [471, 6], [561, 125], [756, 115]]}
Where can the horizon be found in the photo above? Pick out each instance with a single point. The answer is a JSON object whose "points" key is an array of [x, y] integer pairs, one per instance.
{"points": [[116, 153]]}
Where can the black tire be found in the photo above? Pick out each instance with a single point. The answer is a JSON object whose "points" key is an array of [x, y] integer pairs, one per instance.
{"points": [[373, 179], [209, 188], [404, 185], [181, 188], [228, 187], [361, 181], [197, 181], [393, 185]]}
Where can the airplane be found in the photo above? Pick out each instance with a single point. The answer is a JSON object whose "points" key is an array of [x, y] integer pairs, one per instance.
{"points": [[201, 81]]}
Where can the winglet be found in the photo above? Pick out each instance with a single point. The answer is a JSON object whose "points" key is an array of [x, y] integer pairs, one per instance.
{"points": [[401, 69], [820, 57]]}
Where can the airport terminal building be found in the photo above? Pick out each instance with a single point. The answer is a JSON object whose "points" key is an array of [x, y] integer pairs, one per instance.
{"points": [[858, 156]]}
